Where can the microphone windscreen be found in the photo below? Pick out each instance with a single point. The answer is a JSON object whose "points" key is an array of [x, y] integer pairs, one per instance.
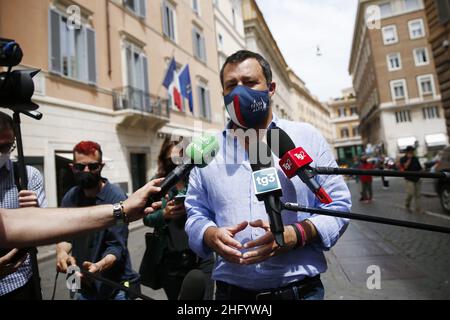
{"points": [[193, 286], [279, 142]]}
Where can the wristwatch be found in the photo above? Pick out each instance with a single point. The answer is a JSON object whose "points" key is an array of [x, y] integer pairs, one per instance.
{"points": [[119, 214]]}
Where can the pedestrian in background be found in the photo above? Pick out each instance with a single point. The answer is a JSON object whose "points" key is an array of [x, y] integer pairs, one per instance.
{"points": [[104, 252], [366, 181], [413, 185]]}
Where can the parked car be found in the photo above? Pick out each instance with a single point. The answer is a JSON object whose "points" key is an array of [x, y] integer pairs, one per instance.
{"points": [[442, 163]]}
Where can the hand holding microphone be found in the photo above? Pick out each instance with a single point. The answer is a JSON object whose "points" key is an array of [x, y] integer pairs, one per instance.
{"points": [[199, 153]]}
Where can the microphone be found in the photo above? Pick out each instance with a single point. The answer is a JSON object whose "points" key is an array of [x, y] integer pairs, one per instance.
{"points": [[193, 286], [268, 189], [199, 153], [295, 161]]}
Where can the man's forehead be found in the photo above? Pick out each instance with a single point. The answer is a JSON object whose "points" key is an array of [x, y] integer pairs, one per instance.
{"points": [[247, 68], [82, 156]]}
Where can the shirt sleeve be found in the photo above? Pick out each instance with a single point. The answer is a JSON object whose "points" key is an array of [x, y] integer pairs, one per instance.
{"points": [[36, 184], [330, 229], [199, 215]]}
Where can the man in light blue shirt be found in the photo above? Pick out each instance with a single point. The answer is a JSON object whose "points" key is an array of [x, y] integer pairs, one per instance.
{"points": [[225, 217]]}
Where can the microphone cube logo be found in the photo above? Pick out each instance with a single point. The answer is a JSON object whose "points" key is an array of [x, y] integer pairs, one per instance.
{"points": [[287, 165], [73, 281], [266, 181]]}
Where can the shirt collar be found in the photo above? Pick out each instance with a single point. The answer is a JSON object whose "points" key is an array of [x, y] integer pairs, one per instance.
{"points": [[273, 124], [104, 192], [8, 165]]}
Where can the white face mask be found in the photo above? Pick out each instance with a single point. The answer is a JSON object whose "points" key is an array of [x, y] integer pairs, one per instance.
{"points": [[4, 157]]}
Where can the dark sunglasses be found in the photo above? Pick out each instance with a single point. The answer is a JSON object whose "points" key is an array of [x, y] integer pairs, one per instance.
{"points": [[7, 147], [82, 166]]}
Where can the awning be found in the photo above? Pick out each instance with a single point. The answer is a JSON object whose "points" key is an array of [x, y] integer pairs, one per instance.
{"points": [[69, 156], [404, 143], [436, 140], [180, 132]]}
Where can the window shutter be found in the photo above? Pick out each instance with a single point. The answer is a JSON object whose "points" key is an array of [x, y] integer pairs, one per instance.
{"points": [[208, 105], [165, 20], [203, 48], [146, 84], [143, 8], [92, 65], [200, 101], [195, 43], [55, 64]]}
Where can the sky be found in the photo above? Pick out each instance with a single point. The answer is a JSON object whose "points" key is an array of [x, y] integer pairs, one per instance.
{"points": [[299, 26]]}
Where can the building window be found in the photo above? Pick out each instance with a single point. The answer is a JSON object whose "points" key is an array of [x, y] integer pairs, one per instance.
{"points": [[416, 29], [169, 21], [403, 116], [426, 85], [390, 35], [138, 7], [430, 113], [72, 50], [385, 9], [199, 44], [204, 101], [355, 131], [411, 5], [137, 76], [398, 89], [196, 6], [421, 57], [345, 133], [342, 112], [394, 61], [220, 41], [354, 111]]}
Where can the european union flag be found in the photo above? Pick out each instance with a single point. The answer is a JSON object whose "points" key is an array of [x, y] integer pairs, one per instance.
{"points": [[170, 74], [186, 86]]}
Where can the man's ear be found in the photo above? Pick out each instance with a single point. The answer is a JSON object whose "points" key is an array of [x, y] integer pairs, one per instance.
{"points": [[272, 89]]}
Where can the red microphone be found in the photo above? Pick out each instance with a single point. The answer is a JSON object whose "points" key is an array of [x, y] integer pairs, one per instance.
{"points": [[296, 162]]}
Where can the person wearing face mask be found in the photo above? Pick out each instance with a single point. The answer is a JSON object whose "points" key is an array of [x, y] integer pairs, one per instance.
{"points": [[19, 280], [173, 259], [225, 217], [105, 251]]}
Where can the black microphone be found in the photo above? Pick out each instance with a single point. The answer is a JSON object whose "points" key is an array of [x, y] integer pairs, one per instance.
{"points": [[295, 162], [193, 286], [268, 189]]}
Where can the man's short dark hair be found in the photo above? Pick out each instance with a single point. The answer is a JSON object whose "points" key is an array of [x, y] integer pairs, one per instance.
{"points": [[410, 149], [243, 55], [6, 122]]}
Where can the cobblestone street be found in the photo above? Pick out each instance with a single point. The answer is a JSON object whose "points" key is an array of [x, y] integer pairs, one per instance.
{"points": [[414, 264]]}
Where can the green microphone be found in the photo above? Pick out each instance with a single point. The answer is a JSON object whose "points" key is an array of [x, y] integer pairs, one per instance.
{"points": [[199, 153]]}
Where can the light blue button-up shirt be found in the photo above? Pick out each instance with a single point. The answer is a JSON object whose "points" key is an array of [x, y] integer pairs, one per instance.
{"points": [[222, 195]]}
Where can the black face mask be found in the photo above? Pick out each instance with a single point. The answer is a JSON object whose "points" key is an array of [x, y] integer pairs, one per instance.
{"points": [[87, 180]]}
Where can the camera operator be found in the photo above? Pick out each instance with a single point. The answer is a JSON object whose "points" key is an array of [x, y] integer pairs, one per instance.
{"points": [[21, 280]]}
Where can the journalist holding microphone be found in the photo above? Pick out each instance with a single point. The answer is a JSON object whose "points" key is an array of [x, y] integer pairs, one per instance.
{"points": [[225, 216]]}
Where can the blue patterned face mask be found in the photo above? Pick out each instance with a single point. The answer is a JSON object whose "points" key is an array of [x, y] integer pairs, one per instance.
{"points": [[247, 108]]}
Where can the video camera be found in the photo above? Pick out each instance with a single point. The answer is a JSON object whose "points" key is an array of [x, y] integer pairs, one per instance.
{"points": [[16, 87]]}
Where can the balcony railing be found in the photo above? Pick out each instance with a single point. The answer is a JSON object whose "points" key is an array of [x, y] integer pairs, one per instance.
{"points": [[129, 98]]}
